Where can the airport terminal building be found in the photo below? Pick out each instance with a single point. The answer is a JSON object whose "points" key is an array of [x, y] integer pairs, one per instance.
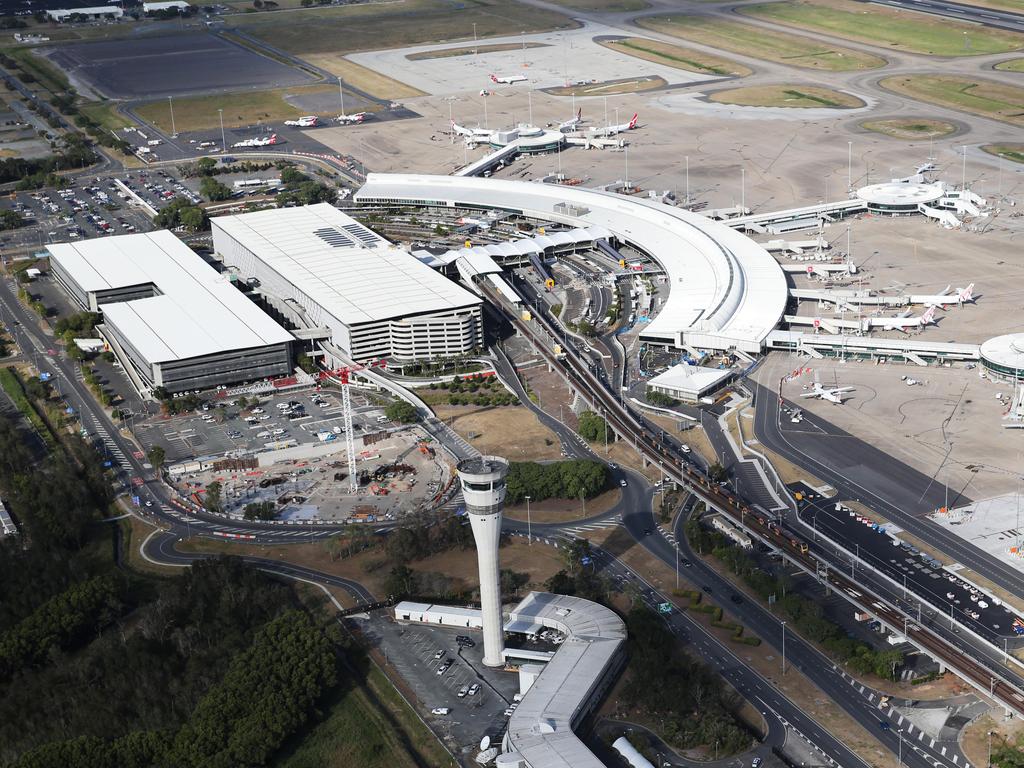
{"points": [[375, 299], [171, 318]]}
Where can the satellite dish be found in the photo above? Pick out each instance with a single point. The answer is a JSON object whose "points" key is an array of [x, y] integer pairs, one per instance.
{"points": [[485, 742]]}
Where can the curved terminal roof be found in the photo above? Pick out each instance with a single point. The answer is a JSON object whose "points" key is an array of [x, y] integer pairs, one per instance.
{"points": [[725, 290], [540, 731], [900, 193], [1005, 354]]}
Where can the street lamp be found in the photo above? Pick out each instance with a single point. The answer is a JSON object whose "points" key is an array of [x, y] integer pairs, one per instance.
{"points": [[223, 138], [529, 526], [783, 647]]}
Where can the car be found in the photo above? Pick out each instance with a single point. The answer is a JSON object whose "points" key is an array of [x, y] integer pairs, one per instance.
{"points": [[735, 599], [755, 763], [622, 482], [686, 563], [440, 711], [439, 654], [684, 448], [465, 642], [443, 668], [647, 531], [474, 689], [706, 588], [884, 725], [612, 465], [463, 691], [149, 503]]}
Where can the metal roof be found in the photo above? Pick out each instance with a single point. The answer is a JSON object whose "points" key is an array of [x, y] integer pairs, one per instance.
{"points": [[724, 289], [351, 272], [197, 310], [540, 729], [690, 378]]}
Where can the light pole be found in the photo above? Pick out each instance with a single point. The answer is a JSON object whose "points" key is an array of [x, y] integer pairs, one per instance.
{"points": [[743, 189], [529, 525], [223, 138], [849, 165], [899, 733], [687, 180], [170, 105], [474, 43], [989, 734], [783, 647]]}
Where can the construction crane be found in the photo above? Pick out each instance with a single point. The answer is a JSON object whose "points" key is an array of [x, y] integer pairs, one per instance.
{"points": [[343, 375]]}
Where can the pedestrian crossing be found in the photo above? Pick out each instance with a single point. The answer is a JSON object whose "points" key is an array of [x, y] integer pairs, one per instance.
{"points": [[598, 525], [113, 451]]}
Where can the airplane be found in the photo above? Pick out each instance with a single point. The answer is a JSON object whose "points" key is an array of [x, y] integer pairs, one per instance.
{"points": [[309, 121], [833, 395], [509, 79], [610, 130], [903, 322], [471, 133], [256, 142], [358, 117], [571, 125], [945, 298]]}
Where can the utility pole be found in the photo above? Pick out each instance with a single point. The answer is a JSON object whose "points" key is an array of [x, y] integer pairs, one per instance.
{"points": [[963, 170], [223, 138], [529, 525], [687, 180], [743, 190], [849, 165], [341, 94], [783, 647], [174, 132]]}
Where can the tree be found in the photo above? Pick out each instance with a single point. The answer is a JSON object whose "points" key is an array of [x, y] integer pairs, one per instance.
{"points": [[156, 456], [592, 427], [214, 190], [212, 500], [402, 412], [717, 473], [205, 166], [263, 510]]}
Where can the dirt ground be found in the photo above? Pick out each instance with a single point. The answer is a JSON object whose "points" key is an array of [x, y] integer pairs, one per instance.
{"points": [[513, 432], [974, 739], [564, 510]]}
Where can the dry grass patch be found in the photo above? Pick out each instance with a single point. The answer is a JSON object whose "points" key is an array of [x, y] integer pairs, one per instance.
{"points": [[606, 6], [794, 96], [749, 40], [910, 128], [1014, 152], [975, 95], [676, 56], [513, 432], [565, 510], [886, 26], [199, 113], [610, 87], [365, 79]]}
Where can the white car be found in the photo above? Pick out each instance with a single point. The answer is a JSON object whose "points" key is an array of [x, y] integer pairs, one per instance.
{"points": [[440, 711], [684, 448], [622, 483]]}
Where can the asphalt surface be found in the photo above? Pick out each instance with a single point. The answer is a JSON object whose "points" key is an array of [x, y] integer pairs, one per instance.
{"points": [[990, 17]]}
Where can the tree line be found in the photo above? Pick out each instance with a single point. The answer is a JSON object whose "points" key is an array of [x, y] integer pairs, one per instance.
{"points": [[573, 479]]}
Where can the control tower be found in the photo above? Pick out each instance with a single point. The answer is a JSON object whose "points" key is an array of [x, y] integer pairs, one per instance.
{"points": [[483, 488]]}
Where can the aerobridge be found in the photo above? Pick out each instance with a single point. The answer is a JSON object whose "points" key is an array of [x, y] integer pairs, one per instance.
{"points": [[907, 350]]}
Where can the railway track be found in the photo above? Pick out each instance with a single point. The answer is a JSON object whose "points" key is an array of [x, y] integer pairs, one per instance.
{"points": [[791, 544]]}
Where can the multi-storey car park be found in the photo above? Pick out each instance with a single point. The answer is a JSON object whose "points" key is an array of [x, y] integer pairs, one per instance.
{"points": [[372, 298], [171, 318], [726, 292]]}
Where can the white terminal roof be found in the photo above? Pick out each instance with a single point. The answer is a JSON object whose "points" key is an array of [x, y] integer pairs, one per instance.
{"points": [[901, 193], [540, 729], [689, 378], [726, 290], [1005, 350], [353, 273], [197, 313]]}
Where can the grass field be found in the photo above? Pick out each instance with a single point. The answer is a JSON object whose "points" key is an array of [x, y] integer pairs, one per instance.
{"points": [[363, 78], [781, 47], [105, 113], [198, 113], [802, 96], [910, 128], [889, 27], [370, 726], [977, 96], [676, 56], [639, 85], [516, 431], [447, 53], [1014, 152], [45, 73], [607, 6], [374, 26], [1013, 65]]}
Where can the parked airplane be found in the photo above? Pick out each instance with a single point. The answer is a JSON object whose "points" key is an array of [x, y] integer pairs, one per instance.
{"points": [[833, 395], [358, 117], [611, 130], [256, 142], [571, 125], [471, 133], [945, 298], [309, 121], [508, 79], [903, 322]]}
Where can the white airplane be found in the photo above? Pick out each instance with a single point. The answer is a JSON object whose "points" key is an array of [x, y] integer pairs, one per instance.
{"points": [[309, 121], [833, 395], [611, 130], [573, 124], [903, 322], [256, 142], [358, 117], [471, 133], [945, 298], [508, 79]]}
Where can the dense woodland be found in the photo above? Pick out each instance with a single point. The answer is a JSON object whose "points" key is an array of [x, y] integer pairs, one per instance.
{"points": [[101, 666]]}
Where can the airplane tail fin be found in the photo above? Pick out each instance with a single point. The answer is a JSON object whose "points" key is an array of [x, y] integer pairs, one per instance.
{"points": [[928, 317], [966, 294], [273, 138], [632, 123], [579, 114], [493, 78]]}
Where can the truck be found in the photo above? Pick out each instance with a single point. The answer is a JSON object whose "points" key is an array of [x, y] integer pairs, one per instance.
{"points": [[325, 437]]}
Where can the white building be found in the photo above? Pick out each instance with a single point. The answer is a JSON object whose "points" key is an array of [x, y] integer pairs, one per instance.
{"points": [[689, 383], [725, 291], [171, 318], [180, 5], [376, 299], [93, 12]]}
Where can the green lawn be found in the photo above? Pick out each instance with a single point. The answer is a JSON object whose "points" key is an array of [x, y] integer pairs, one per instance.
{"points": [[1013, 65], [802, 96], [888, 27], [780, 47], [975, 95], [1014, 152], [396, 24]]}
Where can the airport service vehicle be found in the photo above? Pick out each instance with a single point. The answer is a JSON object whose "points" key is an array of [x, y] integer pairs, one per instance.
{"points": [[358, 117], [309, 121], [508, 79]]}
